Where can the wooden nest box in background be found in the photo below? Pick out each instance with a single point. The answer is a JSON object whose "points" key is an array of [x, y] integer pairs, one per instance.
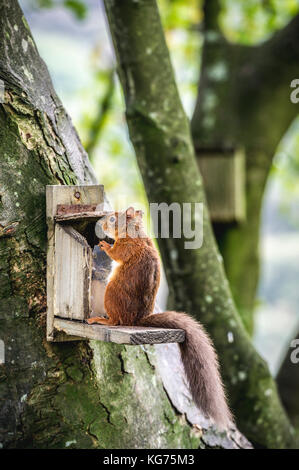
{"points": [[223, 173], [77, 271]]}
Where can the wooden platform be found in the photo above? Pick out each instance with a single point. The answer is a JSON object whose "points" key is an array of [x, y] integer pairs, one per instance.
{"points": [[119, 334]]}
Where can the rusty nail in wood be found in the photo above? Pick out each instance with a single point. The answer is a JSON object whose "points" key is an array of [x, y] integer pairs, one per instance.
{"points": [[77, 195]]}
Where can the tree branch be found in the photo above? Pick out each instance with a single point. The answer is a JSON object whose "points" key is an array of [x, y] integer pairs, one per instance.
{"points": [[284, 43], [254, 85], [211, 9]]}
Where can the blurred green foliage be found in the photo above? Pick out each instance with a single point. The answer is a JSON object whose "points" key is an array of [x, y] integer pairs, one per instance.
{"points": [[252, 21], [180, 14], [77, 7]]}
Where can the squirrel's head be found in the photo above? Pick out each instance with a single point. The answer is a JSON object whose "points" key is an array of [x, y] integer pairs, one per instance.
{"points": [[120, 224]]}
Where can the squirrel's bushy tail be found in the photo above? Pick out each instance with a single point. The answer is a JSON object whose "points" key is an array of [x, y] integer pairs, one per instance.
{"points": [[200, 362]]}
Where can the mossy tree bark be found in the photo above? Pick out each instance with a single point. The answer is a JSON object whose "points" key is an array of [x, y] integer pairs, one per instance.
{"points": [[244, 101], [75, 394], [161, 137]]}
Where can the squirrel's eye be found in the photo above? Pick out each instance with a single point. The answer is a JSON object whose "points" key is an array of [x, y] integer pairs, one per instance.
{"points": [[112, 219]]}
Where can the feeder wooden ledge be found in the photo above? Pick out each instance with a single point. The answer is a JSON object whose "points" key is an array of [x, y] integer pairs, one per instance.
{"points": [[120, 334]]}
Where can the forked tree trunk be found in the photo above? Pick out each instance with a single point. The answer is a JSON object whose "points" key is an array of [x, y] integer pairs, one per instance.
{"points": [[160, 133], [75, 394]]}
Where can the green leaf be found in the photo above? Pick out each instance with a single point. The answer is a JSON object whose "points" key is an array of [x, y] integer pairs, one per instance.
{"points": [[45, 3], [77, 7]]}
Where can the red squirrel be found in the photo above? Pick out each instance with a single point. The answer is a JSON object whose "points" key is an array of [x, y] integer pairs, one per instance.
{"points": [[129, 300]]}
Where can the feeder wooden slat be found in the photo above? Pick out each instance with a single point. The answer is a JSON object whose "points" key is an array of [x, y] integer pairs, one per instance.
{"points": [[73, 261]]}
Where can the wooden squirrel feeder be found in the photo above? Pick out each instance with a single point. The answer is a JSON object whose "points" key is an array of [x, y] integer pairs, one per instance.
{"points": [[77, 272]]}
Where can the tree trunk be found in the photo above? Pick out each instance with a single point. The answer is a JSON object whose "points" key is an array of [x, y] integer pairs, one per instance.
{"points": [[74, 394], [160, 134], [244, 101]]}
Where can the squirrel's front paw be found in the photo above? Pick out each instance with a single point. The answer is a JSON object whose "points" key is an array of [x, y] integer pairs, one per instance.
{"points": [[104, 246]]}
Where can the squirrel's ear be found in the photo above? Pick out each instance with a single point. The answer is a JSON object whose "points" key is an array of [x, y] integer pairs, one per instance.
{"points": [[130, 212]]}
